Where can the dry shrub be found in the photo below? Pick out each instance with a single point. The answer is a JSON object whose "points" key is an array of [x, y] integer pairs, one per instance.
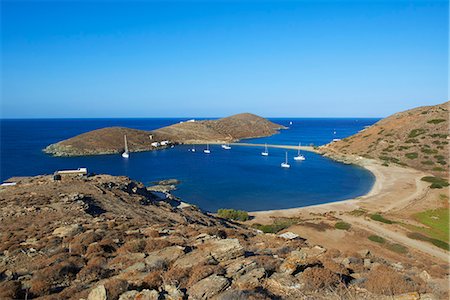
{"points": [[153, 280], [333, 253], [217, 232], [177, 276], [202, 271], [115, 287], [9, 290], [93, 250], [150, 232], [318, 278], [97, 261], [156, 244], [384, 280], [40, 286], [81, 241], [334, 266], [268, 262], [133, 246]]}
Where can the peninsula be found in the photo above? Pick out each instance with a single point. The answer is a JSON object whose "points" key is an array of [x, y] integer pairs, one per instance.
{"points": [[110, 140]]}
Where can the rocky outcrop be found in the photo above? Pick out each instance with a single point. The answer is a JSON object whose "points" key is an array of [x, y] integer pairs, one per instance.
{"points": [[139, 248], [111, 140]]}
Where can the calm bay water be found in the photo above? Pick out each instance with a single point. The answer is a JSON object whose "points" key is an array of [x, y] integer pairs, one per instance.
{"points": [[240, 178]]}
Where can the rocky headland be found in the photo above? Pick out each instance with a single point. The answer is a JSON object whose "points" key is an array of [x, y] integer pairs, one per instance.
{"points": [[417, 138], [111, 140]]}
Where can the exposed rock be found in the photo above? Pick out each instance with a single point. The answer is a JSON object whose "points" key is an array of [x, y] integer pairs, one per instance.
{"points": [[425, 276], [173, 293], [283, 284], [251, 279], [208, 287], [98, 293], [66, 231], [364, 253], [193, 258], [142, 295], [167, 255], [239, 267], [225, 249]]}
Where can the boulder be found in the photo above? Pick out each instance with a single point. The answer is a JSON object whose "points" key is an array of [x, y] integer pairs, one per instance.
{"points": [[283, 284], [164, 256], [251, 279], [194, 258], [142, 295], [225, 249], [208, 287], [425, 276], [293, 261], [98, 293], [240, 266], [367, 263], [173, 293], [67, 231]]}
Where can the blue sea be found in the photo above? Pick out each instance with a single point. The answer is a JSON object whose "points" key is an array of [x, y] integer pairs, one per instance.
{"points": [[239, 178]]}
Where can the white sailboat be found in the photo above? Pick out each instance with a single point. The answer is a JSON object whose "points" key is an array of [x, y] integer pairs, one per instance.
{"points": [[207, 151], [285, 164], [226, 146], [299, 156], [266, 151], [193, 148], [126, 153]]}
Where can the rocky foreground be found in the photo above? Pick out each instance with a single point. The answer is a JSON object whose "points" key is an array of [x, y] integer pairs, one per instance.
{"points": [[106, 237], [111, 140]]}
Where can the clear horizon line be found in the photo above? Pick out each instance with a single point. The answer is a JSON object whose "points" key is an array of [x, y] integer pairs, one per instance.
{"points": [[190, 117]]}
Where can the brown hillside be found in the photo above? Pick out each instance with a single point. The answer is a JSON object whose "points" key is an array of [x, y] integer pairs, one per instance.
{"points": [[417, 138], [111, 140], [81, 238], [227, 129]]}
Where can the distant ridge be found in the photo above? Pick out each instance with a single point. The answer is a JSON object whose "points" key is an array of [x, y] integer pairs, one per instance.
{"points": [[416, 138], [110, 140]]}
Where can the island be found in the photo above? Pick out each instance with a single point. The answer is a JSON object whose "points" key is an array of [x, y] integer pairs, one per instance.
{"points": [[110, 140]]}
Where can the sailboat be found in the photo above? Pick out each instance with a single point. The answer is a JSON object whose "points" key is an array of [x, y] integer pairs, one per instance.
{"points": [[126, 153], [334, 135], [285, 164], [266, 151], [299, 156], [226, 146], [207, 151], [193, 148]]}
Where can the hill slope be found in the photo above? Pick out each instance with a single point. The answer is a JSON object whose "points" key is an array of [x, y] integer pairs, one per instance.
{"points": [[417, 138], [111, 140], [87, 237]]}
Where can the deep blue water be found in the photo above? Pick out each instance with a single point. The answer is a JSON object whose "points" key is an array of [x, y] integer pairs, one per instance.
{"points": [[240, 178]]}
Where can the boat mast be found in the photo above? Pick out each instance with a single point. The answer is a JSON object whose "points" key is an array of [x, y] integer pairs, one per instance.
{"points": [[126, 144]]}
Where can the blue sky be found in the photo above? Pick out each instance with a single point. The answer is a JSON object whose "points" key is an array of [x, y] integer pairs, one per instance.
{"points": [[217, 58]]}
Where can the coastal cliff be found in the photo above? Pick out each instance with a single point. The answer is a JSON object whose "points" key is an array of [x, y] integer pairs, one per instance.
{"points": [[111, 140], [417, 138]]}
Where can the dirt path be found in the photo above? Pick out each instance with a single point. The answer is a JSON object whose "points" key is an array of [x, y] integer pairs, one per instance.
{"points": [[387, 232]]}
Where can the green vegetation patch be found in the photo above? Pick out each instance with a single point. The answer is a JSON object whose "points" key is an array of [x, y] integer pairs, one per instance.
{"points": [[436, 121], [380, 218], [436, 242], [276, 226], [436, 182], [438, 169], [427, 162], [416, 132], [342, 225], [429, 151], [439, 135], [412, 155], [377, 239], [233, 214], [358, 212], [437, 221], [397, 248]]}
